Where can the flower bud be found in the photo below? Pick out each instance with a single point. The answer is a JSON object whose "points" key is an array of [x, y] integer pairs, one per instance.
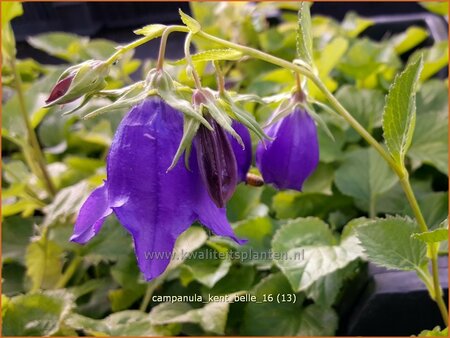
{"points": [[77, 81], [216, 162]]}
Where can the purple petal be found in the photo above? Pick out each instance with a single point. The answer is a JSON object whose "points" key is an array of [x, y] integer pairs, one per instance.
{"points": [[292, 157], [92, 215], [243, 156], [152, 204], [207, 213]]}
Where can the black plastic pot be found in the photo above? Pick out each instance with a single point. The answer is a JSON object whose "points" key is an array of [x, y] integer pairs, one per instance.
{"points": [[394, 303]]}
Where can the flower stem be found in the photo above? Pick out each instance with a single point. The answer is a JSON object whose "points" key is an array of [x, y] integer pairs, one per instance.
{"points": [[187, 53], [71, 269], [151, 287], [34, 153]]}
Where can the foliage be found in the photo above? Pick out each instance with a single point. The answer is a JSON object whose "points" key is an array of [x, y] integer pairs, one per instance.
{"points": [[54, 287]]}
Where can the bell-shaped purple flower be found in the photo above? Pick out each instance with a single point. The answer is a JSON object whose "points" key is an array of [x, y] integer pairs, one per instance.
{"points": [[154, 205], [293, 155]]}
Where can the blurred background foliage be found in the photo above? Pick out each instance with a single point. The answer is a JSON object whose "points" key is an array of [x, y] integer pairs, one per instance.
{"points": [[51, 286]]}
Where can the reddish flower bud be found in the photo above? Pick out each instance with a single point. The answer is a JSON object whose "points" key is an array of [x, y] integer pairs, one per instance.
{"points": [[60, 89]]}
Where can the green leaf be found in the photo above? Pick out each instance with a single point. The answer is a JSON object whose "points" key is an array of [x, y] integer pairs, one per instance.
{"points": [[304, 37], [205, 266], [125, 323], [389, 243], [353, 25], [213, 55], [331, 55], [38, 314], [433, 236], [318, 321], [272, 318], [437, 331], [440, 8], [10, 10], [66, 203], [434, 59], [307, 251], [43, 260], [238, 279], [366, 58], [430, 141], [65, 46], [292, 204], [258, 231], [364, 175], [409, 39], [365, 105], [16, 234], [190, 22], [245, 203], [399, 116], [151, 31], [212, 317]]}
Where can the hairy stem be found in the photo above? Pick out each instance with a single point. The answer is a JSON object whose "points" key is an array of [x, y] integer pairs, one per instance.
{"points": [[34, 153], [187, 53]]}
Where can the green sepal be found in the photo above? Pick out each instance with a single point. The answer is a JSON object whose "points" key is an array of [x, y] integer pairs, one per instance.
{"points": [[219, 114], [242, 116], [190, 127], [162, 82], [133, 95]]}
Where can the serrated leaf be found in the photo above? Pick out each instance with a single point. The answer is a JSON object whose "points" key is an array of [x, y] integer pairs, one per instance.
{"points": [[304, 37], [151, 31], [38, 314], [190, 22], [389, 243], [308, 251], [399, 116], [214, 55]]}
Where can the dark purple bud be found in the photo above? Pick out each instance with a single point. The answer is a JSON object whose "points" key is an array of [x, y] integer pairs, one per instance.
{"points": [[216, 162], [60, 89]]}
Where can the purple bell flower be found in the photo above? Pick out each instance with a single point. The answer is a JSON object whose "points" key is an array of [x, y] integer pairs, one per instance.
{"points": [[154, 205], [293, 155]]}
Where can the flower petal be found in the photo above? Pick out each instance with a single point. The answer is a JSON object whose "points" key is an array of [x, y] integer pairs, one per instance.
{"points": [[92, 215], [207, 213], [291, 158], [243, 156], [152, 204]]}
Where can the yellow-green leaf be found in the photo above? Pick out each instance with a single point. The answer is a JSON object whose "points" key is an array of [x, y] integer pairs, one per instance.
{"points": [[399, 116]]}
